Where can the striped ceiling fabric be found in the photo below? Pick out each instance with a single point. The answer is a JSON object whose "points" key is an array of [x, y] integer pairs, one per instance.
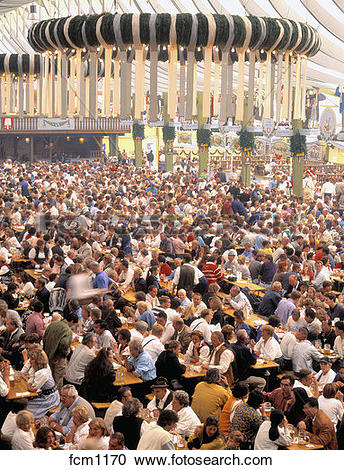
{"points": [[324, 69]]}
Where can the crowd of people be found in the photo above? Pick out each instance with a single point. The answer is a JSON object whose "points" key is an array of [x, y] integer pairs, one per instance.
{"points": [[108, 265]]}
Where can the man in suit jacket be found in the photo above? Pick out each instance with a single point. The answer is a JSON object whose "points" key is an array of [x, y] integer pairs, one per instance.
{"points": [[10, 341], [319, 425], [182, 333]]}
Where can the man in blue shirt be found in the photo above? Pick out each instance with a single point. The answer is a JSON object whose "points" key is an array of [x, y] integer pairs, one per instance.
{"points": [[146, 315], [270, 300], [140, 363], [102, 280], [24, 187]]}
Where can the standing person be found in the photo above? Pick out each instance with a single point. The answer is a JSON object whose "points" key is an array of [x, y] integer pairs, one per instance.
{"points": [[56, 343], [185, 276], [79, 360]]}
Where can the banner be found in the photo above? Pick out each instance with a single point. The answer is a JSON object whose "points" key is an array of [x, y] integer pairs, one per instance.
{"points": [[55, 124]]}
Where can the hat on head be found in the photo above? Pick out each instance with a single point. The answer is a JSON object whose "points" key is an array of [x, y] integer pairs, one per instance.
{"points": [[325, 360], [160, 382], [232, 252]]}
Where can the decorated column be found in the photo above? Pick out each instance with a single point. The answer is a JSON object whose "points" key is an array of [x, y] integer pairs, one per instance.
{"points": [[203, 138], [169, 134], [247, 149], [298, 152], [138, 136]]}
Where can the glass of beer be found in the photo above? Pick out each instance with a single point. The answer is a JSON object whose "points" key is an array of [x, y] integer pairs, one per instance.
{"points": [[267, 407]]}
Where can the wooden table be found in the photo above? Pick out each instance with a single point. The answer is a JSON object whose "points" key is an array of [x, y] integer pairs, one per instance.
{"points": [[252, 287], [129, 296], [19, 386], [191, 374], [128, 378], [265, 365], [33, 273], [304, 447], [250, 320]]}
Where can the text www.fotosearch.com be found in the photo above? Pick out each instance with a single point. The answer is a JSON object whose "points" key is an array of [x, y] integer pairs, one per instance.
{"points": [[173, 459]]}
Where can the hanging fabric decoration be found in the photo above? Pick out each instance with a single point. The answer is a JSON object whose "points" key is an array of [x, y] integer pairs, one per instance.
{"points": [[216, 81], [285, 99], [153, 83], [239, 115], [269, 85], [303, 85], [225, 72], [31, 85], [58, 58], [181, 83], [116, 84], [8, 84], [79, 83], [252, 98], [20, 90], [71, 87], [124, 69], [40, 87], [139, 68], [107, 68], [191, 69], [279, 86], [297, 97], [208, 53], [172, 70]]}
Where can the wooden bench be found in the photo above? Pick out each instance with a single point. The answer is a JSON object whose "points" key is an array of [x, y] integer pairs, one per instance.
{"points": [[100, 408]]}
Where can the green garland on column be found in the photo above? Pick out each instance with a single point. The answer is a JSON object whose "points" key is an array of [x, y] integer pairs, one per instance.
{"points": [[203, 137], [247, 142], [298, 146], [168, 134], [138, 131]]}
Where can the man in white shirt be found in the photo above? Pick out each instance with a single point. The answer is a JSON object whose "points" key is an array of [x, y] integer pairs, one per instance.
{"points": [[326, 375], [4, 379], [197, 305], [287, 347], [304, 352], [152, 344], [339, 341], [238, 300], [321, 274], [220, 358], [104, 337], [161, 319], [126, 275], [202, 324], [308, 382], [162, 397], [187, 418], [139, 331], [123, 395], [152, 296]]}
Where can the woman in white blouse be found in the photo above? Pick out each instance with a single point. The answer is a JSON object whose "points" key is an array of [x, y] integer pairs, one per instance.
{"points": [[198, 351], [331, 402], [23, 436], [274, 433], [267, 347], [80, 428]]}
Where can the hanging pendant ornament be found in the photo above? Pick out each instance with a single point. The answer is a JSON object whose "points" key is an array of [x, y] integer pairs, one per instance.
{"points": [[227, 73], [172, 70], [139, 68], [208, 53], [191, 69], [153, 83], [239, 115]]}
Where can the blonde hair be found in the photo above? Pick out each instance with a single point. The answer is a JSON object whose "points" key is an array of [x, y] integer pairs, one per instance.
{"points": [[268, 329], [142, 304], [24, 417], [40, 358], [81, 413], [100, 423]]}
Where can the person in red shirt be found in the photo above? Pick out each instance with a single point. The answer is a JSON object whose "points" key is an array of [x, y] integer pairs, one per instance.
{"points": [[211, 270], [164, 268]]}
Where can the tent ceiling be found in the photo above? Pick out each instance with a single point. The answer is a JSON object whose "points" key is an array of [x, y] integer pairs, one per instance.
{"points": [[326, 68]]}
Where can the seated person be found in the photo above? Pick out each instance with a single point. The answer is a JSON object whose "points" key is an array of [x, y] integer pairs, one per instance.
{"points": [[162, 397], [267, 347]]}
